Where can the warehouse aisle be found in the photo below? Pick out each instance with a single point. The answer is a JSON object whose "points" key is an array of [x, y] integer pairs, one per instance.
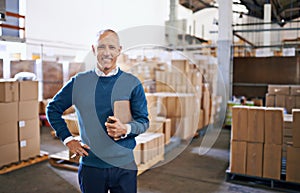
{"points": [[187, 173]]}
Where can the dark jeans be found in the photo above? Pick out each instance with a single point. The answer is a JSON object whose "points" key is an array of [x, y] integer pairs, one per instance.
{"points": [[100, 180]]}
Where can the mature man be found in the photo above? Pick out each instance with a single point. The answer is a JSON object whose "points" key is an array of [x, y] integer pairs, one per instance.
{"points": [[106, 147]]}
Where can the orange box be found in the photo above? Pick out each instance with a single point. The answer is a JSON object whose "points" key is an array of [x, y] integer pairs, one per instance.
{"points": [[256, 124], [273, 125], [238, 157], [292, 164], [239, 129], [254, 159], [272, 161]]}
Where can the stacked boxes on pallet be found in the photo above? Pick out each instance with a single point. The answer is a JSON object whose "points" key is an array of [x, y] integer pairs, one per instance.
{"points": [[9, 96], [149, 149], [286, 96], [273, 143], [256, 141], [293, 151], [28, 121], [19, 123]]}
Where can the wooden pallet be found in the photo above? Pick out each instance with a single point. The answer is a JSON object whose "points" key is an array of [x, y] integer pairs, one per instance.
{"points": [[24, 163], [61, 160], [260, 182], [146, 166]]}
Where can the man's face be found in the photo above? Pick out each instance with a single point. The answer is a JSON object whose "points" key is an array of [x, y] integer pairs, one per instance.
{"points": [[107, 51]]}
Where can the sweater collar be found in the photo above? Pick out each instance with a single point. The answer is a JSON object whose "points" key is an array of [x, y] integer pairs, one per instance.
{"points": [[101, 73]]}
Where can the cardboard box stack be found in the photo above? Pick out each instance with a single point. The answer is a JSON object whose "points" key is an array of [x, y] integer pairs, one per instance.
{"points": [[28, 120], [293, 151], [149, 148], [256, 141], [52, 78], [9, 96], [286, 96], [274, 122], [19, 122]]}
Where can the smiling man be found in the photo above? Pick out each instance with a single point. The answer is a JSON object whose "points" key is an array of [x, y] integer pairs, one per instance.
{"points": [[106, 147]]}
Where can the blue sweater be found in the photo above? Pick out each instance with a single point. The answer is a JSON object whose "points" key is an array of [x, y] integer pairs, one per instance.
{"points": [[93, 98]]}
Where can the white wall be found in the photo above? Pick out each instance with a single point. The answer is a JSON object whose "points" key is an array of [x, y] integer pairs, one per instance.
{"points": [[77, 21]]}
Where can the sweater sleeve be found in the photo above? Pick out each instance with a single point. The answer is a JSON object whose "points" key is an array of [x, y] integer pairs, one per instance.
{"points": [[55, 109], [139, 111]]}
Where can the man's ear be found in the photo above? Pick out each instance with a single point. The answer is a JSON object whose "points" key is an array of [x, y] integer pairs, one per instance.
{"points": [[94, 50], [120, 50]]}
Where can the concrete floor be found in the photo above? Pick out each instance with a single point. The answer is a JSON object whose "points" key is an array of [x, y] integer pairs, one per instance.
{"points": [[187, 173]]}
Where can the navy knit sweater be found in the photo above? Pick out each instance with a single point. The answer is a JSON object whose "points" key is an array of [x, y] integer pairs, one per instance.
{"points": [[93, 98]]}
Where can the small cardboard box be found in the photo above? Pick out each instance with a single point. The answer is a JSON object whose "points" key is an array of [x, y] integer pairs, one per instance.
{"points": [[295, 90], [28, 110], [254, 159], [290, 103], [29, 148], [272, 161], [238, 156], [28, 90], [239, 130], [280, 101], [270, 100], [279, 89], [296, 127], [256, 124], [8, 112], [8, 133], [29, 129], [292, 164], [9, 153], [273, 125], [9, 90]]}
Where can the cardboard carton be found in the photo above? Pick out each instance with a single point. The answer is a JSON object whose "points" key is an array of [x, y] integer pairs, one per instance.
{"points": [[29, 129], [280, 101], [122, 111], [8, 132], [28, 90], [29, 148], [295, 90], [270, 100], [8, 112], [272, 161], [292, 164], [279, 89], [273, 125], [239, 130], [9, 90], [296, 127], [28, 110], [238, 157], [9, 153], [254, 159], [256, 124]]}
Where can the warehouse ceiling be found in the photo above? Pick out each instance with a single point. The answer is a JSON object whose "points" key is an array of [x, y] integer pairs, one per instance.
{"points": [[283, 11]]}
